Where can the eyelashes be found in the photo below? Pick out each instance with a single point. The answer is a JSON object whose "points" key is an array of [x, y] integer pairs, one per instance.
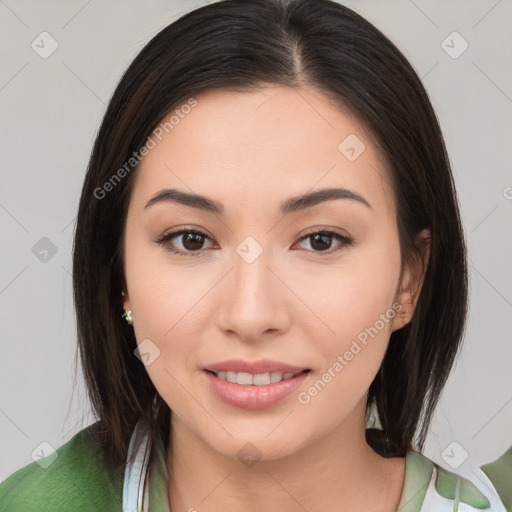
{"points": [[166, 241], [195, 237]]}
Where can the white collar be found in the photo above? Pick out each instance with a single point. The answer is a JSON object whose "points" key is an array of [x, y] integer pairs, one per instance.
{"points": [[138, 474], [136, 471]]}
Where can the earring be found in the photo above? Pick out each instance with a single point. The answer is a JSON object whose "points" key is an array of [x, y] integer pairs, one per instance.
{"points": [[403, 317], [127, 315]]}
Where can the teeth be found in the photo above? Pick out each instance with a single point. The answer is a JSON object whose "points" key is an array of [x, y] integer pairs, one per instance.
{"points": [[258, 379]]}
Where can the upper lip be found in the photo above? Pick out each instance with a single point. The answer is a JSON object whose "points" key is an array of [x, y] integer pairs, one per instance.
{"points": [[254, 367]]}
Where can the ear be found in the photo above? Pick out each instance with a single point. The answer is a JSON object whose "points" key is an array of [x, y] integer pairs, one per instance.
{"points": [[126, 298], [411, 281]]}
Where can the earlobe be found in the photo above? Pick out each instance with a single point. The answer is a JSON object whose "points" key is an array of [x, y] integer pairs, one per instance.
{"points": [[404, 314], [126, 300]]}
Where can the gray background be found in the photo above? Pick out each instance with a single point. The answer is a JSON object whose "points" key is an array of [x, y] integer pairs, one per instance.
{"points": [[51, 109]]}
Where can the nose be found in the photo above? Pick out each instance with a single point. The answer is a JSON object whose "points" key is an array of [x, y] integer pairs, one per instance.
{"points": [[254, 303]]}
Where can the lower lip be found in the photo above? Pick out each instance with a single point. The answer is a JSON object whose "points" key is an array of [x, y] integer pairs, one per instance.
{"points": [[254, 397]]}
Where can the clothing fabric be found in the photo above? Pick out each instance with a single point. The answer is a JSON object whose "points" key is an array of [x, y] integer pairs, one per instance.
{"points": [[77, 480]]}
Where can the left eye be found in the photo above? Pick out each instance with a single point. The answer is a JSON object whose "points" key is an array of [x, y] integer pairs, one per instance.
{"points": [[319, 240], [192, 243]]}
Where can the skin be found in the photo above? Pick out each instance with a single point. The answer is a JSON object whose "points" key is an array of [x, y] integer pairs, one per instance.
{"points": [[295, 303]]}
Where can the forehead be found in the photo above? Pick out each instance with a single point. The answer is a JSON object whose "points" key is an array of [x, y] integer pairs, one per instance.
{"points": [[276, 141]]}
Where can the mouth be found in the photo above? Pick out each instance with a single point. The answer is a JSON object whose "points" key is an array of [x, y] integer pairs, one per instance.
{"points": [[255, 379], [253, 391]]}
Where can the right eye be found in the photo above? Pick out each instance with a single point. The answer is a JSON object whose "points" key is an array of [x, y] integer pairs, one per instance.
{"points": [[191, 243]]}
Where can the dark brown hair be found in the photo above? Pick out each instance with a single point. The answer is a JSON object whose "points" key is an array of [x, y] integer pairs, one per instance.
{"points": [[244, 45]]}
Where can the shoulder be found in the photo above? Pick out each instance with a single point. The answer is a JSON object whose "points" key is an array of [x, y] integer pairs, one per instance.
{"points": [[72, 478], [431, 487]]}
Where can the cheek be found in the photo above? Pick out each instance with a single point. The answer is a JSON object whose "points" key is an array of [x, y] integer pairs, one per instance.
{"points": [[352, 356], [351, 296], [169, 313], [166, 304], [164, 291], [172, 327], [354, 301]]}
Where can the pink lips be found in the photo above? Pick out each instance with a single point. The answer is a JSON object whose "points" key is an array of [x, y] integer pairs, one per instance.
{"points": [[249, 396]]}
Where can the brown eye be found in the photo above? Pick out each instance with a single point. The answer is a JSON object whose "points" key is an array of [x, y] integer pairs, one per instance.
{"points": [[192, 241], [321, 241]]}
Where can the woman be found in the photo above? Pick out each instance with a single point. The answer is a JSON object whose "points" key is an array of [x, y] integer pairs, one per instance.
{"points": [[270, 202]]}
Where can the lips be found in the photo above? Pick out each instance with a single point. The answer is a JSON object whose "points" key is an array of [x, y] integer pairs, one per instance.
{"points": [[254, 367], [251, 397]]}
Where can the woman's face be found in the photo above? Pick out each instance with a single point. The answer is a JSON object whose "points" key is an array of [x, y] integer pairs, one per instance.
{"points": [[256, 283]]}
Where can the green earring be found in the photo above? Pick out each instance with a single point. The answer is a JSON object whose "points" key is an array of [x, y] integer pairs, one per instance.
{"points": [[127, 315]]}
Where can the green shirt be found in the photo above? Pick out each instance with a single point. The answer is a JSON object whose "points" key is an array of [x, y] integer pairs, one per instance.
{"points": [[77, 481]]}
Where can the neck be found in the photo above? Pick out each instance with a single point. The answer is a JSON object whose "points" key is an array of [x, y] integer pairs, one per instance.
{"points": [[337, 472]]}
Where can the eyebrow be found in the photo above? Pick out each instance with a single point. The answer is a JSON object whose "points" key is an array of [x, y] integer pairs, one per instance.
{"points": [[293, 204]]}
